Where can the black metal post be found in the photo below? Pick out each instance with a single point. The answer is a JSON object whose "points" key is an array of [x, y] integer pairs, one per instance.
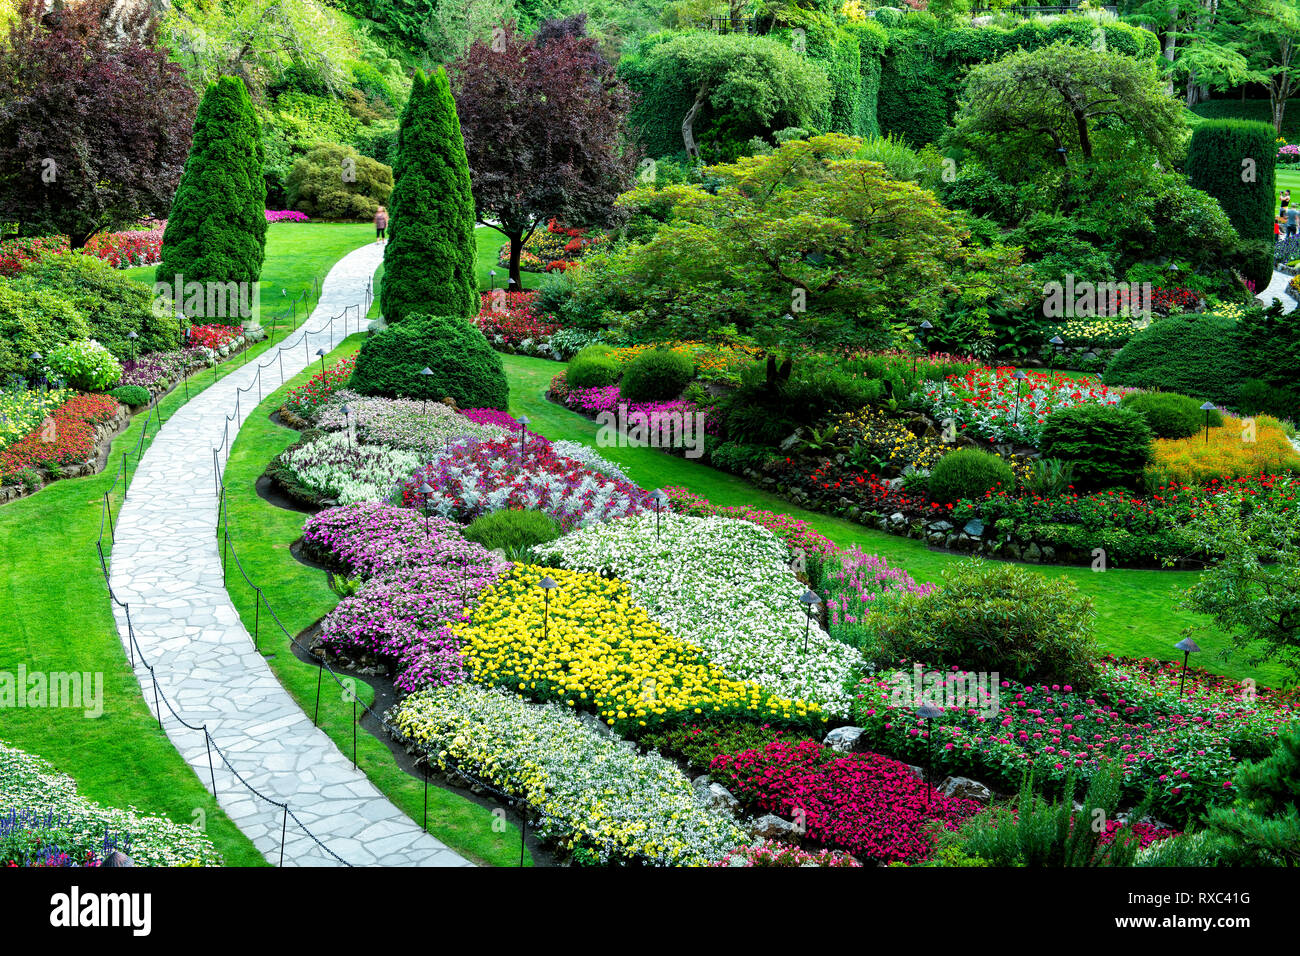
{"points": [[315, 717], [207, 739], [284, 829], [108, 508]]}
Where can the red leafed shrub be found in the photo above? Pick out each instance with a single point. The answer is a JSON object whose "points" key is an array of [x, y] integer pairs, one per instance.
{"points": [[873, 807], [67, 437]]}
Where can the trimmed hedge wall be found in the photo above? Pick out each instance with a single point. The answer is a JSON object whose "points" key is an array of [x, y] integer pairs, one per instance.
{"points": [[1220, 156], [1197, 356]]}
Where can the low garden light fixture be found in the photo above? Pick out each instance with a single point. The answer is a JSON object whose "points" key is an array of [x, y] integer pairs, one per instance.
{"points": [[547, 584], [426, 372], [928, 712], [1055, 342], [347, 423], [1207, 407], [1188, 647], [1020, 376], [493, 274], [523, 432], [424, 491], [659, 499], [320, 354], [132, 336], [809, 600], [923, 328], [37, 359]]}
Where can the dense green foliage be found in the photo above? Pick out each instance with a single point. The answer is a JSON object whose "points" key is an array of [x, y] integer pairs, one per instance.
{"points": [[216, 230], [1168, 414], [989, 616], [1106, 445], [85, 365], [968, 473], [464, 365], [430, 256], [1263, 827], [134, 395], [510, 530], [591, 371], [34, 320], [1234, 161], [1199, 355], [656, 375], [337, 182]]}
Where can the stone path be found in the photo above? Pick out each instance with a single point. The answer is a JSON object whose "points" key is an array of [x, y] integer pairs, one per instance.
{"points": [[166, 564], [1277, 290]]}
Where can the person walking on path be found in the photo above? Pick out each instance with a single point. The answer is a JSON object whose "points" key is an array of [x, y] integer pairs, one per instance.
{"points": [[1292, 221], [381, 223]]}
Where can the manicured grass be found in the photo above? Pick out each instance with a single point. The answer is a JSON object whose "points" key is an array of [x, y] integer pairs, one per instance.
{"points": [[56, 607], [261, 534], [1136, 612], [1288, 177], [489, 243]]}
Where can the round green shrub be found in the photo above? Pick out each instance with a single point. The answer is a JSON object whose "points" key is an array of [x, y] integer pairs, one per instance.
{"points": [[968, 473], [658, 375], [1170, 415], [1191, 356], [85, 365], [34, 320], [464, 365], [591, 371], [988, 616], [1107, 445], [316, 187], [511, 529], [134, 395]]}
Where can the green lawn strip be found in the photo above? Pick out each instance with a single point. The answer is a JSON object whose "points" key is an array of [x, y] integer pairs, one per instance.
{"points": [[1136, 613], [261, 534], [1288, 177], [489, 243]]}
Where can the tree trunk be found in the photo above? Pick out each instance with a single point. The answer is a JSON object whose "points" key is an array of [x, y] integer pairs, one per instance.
{"points": [[516, 247], [1085, 141], [688, 124], [78, 240]]}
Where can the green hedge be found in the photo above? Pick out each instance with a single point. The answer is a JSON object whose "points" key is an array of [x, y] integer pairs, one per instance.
{"points": [[1261, 111], [464, 365], [1234, 161], [34, 320], [1193, 356]]}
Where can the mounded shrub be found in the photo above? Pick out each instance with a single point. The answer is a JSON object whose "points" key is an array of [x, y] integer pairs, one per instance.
{"points": [[464, 365], [1170, 415], [510, 529], [999, 617], [113, 304], [591, 371], [216, 230], [34, 320], [968, 473], [317, 187], [657, 375], [85, 365], [134, 395], [1107, 445], [1190, 356]]}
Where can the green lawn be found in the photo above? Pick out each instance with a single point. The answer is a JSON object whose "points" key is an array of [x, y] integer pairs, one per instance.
{"points": [[56, 614], [1288, 178], [1136, 613], [262, 534]]}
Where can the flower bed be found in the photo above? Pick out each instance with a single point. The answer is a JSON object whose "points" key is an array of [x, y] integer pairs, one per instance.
{"points": [[472, 478], [983, 402], [34, 792], [68, 439], [873, 807], [157, 370], [516, 326], [1185, 749], [213, 337], [368, 539], [335, 468], [402, 616], [132, 247], [854, 587], [305, 400], [400, 423], [798, 535], [589, 646], [493, 416], [725, 586], [713, 362], [22, 410], [1226, 453], [607, 400], [783, 854], [285, 215], [588, 793]]}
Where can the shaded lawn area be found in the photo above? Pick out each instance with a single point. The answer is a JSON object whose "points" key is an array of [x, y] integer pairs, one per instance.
{"points": [[1136, 612]]}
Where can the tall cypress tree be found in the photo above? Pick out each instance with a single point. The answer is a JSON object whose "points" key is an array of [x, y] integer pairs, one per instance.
{"points": [[216, 230], [429, 259]]}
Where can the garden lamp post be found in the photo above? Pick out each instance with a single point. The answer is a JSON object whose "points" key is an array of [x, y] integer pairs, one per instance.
{"points": [[132, 336], [347, 423], [1020, 376], [1188, 647], [424, 491], [1055, 342], [1207, 407], [809, 600], [37, 358], [523, 432], [493, 274], [547, 584], [426, 372], [924, 327], [658, 499], [320, 354], [928, 712]]}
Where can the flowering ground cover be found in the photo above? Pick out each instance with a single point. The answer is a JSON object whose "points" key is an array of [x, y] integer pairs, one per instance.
{"points": [[23, 409], [873, 807], [783, 854], [368, 539], [984, 401], [213, 336], [607, 399], [472, 478], [335, 467], [286, 215], [1238, 449], [159, 369], [400, 423], [713, 362], [798, 535], [305, 400], [67, 439], [132, 247], [854, 586], [1184, 749], [725, 586], [586, 644], [42, 816], [511, 320], [593, 796]]}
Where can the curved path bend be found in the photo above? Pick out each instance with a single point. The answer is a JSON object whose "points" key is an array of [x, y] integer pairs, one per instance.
{"points": [[166, 564]]}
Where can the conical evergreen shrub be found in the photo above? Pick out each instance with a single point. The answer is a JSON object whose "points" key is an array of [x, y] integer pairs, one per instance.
{"points": [[216, 229], [429, 259]]}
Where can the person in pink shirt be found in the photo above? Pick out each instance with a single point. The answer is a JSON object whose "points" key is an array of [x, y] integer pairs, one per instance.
{"points": [[381, 224]]}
